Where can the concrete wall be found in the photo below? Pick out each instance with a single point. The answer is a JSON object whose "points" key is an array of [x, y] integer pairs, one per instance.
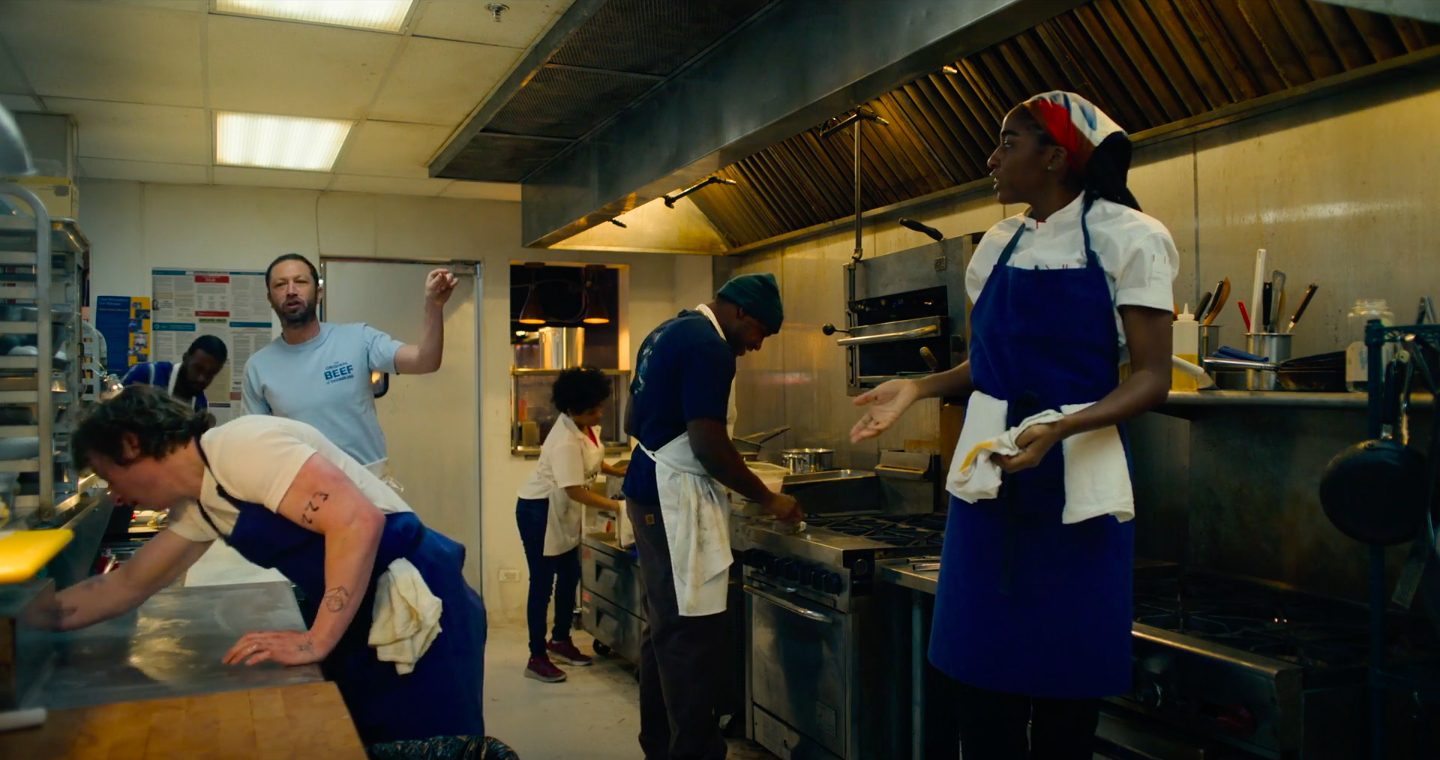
{"points": [[134, 227]]}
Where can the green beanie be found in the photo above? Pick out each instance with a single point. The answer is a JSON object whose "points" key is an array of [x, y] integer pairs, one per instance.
{"points": [[759, 296]]}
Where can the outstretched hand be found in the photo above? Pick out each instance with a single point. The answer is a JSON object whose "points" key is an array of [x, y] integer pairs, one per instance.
{"points": [[886, 403]]}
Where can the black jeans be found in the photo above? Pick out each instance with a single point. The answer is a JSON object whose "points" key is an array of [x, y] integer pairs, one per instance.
{"points": [[992, 726], [562, 572], [682, 659]]}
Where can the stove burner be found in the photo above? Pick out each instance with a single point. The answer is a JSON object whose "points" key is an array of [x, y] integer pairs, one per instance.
{"points": [[905, 531], [1284, 625]]}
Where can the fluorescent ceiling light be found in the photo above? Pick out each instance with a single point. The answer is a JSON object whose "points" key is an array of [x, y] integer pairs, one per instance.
{"points": [[278, 142], [379, 15]]}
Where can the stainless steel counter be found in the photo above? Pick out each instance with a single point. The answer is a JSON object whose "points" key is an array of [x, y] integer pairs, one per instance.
{"points": [[171, 647], [902, 572]]}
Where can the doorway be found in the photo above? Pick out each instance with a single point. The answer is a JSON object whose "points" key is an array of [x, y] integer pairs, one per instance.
{"points": [[431, 422]]}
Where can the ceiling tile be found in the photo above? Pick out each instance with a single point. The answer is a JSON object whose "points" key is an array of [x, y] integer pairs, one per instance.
{"points": [[20, 103], [468, 21], [292, 69], [163, 134], [242, 175], [105, 51], [392, 149], [188, 6], [490, 191], [10, 78], [351, 183], [143, 171], [441, 82]]}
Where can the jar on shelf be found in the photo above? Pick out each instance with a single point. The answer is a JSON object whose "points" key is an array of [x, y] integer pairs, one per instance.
{"points": [[1357, 359]]}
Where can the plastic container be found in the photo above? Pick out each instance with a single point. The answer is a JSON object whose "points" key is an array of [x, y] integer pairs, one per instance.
{"points": [[1357, 359], [1187, 347]]}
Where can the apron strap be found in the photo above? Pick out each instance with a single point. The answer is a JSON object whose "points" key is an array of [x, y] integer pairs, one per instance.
{"points": [[200, 449], [1092, 260]]}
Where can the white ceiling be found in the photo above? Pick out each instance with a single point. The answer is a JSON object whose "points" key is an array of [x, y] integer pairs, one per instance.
{"points": [[141, 77]]}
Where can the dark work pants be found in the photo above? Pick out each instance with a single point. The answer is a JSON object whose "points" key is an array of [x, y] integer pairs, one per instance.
{"points": [[992, 726], [682, 659], [562, 572]]}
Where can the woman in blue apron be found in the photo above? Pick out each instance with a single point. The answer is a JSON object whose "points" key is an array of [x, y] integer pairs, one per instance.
{"points": [[287, 498], [1033, 608]]}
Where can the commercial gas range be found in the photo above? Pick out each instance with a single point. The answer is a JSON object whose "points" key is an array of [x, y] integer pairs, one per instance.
{"points": [[1225, 668], [1236, 667], [822, 639]]}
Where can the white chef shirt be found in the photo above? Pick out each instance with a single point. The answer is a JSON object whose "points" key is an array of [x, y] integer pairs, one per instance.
{"points": [[567, 458], [256, 458], [1135, 250]]}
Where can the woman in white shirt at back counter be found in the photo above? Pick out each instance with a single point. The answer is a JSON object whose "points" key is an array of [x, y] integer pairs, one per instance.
{"points": [[549, 513]]}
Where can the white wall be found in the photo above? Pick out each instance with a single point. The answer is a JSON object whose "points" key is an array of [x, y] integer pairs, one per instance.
{"points": [[134, 227]]}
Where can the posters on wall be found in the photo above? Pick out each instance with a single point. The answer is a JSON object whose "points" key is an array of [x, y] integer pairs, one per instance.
{"points": [[231, 306], [125, 321]]}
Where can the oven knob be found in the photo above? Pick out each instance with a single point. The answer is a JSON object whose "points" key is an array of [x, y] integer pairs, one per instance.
{"points": [[1150, 696], [1236, 721], [792, 571], [781, 567], [834, 584]]}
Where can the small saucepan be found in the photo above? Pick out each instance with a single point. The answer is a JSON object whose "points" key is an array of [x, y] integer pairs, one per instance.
{"points": [[806, 461], [1377, 491]]}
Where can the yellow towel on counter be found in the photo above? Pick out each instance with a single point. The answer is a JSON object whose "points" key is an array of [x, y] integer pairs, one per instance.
{"points": [[407, 616]]}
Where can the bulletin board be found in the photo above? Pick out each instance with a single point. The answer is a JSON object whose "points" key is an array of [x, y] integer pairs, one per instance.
{"points": [[230, 305], [125, 321]]}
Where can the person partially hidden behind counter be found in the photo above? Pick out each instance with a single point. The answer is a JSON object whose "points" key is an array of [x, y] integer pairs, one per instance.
{"points": [[287, 498], [189, 379]]}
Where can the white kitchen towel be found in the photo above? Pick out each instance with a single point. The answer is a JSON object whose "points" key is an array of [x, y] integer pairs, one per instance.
{"points": [[1097, 475], [407, 616]]}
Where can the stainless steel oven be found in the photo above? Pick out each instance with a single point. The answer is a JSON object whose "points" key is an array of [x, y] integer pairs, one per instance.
{"points": [[905, 313]]}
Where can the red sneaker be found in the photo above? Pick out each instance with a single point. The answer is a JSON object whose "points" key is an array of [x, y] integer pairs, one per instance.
{"points": [[541, 669], [567, 653]]}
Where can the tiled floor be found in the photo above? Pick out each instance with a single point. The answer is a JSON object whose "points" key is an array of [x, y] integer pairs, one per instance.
{"points": [[594, 715]]}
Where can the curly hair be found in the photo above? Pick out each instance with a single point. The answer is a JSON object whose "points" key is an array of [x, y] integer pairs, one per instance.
{"points": [[579, 390], [160, 423]]}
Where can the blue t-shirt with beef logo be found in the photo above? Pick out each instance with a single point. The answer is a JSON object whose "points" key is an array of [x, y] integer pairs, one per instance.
{"points": [[325, 382], [682, 372]]}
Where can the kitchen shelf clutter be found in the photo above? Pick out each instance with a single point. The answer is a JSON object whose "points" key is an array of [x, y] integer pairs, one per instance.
{"points": [[43, 367]]}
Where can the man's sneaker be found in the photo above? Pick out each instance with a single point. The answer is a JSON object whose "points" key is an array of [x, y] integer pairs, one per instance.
{"points": [[541, 669], [567, 653]]}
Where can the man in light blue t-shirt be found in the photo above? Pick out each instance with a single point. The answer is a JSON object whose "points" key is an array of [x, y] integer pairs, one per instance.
{"points": [[319, 373]]}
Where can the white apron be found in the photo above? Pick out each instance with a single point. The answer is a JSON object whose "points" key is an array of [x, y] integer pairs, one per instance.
{"points": [[566, 516], [697, 528]]}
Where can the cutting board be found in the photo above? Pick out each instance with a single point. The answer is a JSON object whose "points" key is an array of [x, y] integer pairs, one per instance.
{"points": [[278, 723]]}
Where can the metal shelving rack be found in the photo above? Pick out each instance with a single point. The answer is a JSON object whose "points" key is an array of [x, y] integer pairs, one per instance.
{"points": [[1399, 678], [41, 287]]}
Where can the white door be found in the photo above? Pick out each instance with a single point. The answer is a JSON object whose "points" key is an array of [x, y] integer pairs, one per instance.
{"points": [[431, 422]]}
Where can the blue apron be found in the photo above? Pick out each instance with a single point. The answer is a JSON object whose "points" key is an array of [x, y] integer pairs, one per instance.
{"points": [[443, 695], [1026, 604]]}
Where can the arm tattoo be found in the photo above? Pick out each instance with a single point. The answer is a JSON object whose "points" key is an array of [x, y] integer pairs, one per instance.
{"points": [[305, 647], [313, 505], [336, 598]]}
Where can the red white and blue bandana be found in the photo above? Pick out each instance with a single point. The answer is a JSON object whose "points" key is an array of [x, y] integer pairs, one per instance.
{"points": [[1074, 122]]}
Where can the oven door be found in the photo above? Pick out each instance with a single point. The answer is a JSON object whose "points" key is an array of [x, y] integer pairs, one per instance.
{"points": [[891, 350], [798, 659]]}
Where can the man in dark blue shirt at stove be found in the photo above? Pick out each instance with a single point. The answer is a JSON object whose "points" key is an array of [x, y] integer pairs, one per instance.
{"points": [[679, 410]]}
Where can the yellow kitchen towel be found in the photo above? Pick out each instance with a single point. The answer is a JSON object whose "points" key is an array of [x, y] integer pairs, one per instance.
{"points": [[407, 616]]}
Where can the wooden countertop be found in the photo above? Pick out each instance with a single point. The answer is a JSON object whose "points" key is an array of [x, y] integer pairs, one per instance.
{"points": [[304, 720]]}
